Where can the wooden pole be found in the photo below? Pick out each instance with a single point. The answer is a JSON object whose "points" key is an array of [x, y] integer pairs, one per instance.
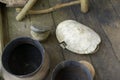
{"points": [[26, 8], [1, 33], [84, 5], [58, 6], [1, 40]]}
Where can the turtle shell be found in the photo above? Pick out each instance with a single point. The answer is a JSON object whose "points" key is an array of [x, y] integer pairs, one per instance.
{"points": [[77, 37]]}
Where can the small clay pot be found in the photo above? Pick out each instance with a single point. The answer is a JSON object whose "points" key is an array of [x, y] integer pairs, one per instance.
{"points": [[24, 59], [72, 70], [40, 34], [89, 66]]}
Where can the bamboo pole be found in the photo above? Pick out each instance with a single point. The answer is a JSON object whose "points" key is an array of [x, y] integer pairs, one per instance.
{"points": [[26, 8], [84, 5], [58, 6]]}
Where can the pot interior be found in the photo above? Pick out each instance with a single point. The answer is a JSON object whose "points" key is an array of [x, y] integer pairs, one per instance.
{"points": [[71, 72], [22, 59]]}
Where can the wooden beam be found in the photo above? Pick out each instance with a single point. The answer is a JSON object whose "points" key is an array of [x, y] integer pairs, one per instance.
{"points": [[4, 38], [1, 39], [1, 33]]}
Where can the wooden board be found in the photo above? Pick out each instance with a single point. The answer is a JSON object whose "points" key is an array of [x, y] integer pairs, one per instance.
{"points": [[1, 33], [103, 17], [1, 38], [17, 29], [116, 6], [3, 27], [109, 20], [105, 58]]}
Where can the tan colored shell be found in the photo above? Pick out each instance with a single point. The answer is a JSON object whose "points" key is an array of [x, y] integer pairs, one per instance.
{"points": [[14, 3], [77, 37]]}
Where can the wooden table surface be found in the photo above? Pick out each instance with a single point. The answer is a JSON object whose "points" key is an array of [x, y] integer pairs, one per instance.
{"points": [[103, 17]]}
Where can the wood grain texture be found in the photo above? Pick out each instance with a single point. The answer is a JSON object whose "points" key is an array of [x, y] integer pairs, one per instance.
{"points": [[17, 29], [116, 6], [1, 38], [109, 19], [105, 61], [1, 33], [110, 22], [103, 17], [4, 35]]}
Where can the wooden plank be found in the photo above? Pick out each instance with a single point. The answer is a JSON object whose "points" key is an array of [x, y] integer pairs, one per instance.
{"points": [[5, 24], [114, 33], [111, 28], [51, 45], [1, 33], [17, 29], [1, 38], [110, 21], [104, 17], [104, 60], [116, 6]]}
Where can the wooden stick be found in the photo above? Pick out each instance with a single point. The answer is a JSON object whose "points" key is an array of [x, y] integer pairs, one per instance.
{"points": [[1, 33], [1, 40], [84, 5], [58, 6], [26, 8]]}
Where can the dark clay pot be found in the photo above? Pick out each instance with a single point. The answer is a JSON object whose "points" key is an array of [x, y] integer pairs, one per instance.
{"points": [[23, 58], [71, 70]]}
